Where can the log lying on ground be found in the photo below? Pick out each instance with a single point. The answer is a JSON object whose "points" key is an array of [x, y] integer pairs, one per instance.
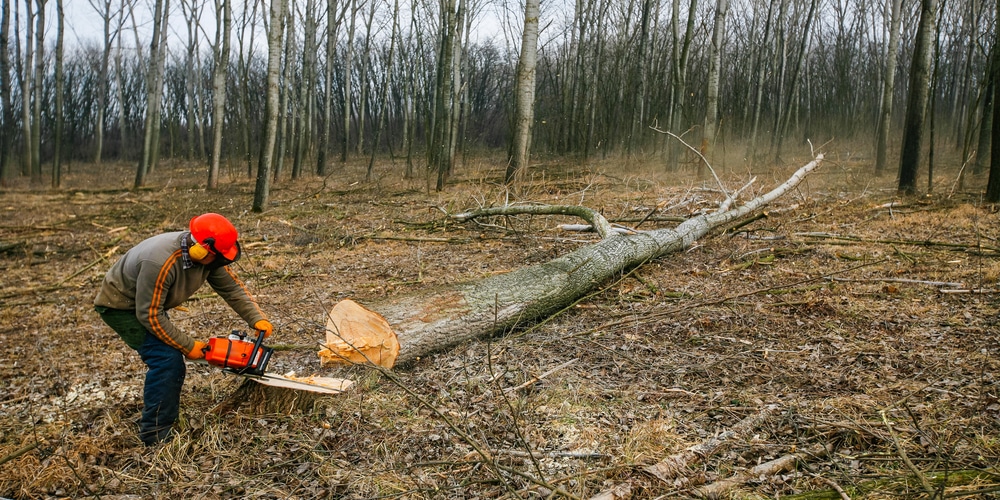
{"points": [[433, 320]]}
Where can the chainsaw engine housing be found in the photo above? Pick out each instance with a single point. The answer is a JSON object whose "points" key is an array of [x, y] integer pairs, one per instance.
{"points": [[239, 355]]}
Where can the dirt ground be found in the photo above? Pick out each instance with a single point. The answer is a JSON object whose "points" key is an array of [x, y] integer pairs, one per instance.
{"points": [[850, 335]]}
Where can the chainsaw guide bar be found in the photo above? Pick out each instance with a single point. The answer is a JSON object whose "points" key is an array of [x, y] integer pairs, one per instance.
{"points": [[239, 355]]}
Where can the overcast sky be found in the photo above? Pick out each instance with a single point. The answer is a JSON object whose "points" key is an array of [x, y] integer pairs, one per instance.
{"points": [[84, 25]]}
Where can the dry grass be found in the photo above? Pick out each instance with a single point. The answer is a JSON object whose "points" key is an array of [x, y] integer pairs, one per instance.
{"points": [[834, 331]]}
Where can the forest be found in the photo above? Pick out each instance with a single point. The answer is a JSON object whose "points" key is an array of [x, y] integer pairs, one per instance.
{"points": [[631, 249], [416, 81]]}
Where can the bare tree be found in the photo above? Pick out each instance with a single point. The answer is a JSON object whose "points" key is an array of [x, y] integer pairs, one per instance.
{"points": [[303, 142], [36, 92], [154, 93], [384, 97], [348, 75], [7, 128], [288, 104], [678, 80], [916, 105], [524, 95], [276, 28], [192, 82], [221, 61], [715, 62], [334, 17], [888, 87], [103, 9], [60, 84], [363, 70], [993, 184], [439, 150], [784, 117]]}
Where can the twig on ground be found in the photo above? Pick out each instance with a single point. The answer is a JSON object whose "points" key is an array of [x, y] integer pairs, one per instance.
{"points": [[540, 377], [769, 468]]}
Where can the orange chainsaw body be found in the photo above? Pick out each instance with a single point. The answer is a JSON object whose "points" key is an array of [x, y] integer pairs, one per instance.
{"points": [[237, 353]]}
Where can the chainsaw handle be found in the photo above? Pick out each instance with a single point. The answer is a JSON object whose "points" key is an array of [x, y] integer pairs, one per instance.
{"points": [[260, 339]]}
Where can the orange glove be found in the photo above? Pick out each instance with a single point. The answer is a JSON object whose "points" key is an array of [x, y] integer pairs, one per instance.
{"points": [[199, 350], [265, 326]]}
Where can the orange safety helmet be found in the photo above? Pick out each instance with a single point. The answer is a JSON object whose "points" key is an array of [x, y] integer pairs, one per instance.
{"points": [[216, 234]]}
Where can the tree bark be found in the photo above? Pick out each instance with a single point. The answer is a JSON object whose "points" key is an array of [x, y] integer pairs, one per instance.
{"points": [[36, 108], [153, 92], [7, 128], [888, 88], [384, 97], [60, 85], [262, 190], [916, 105], [524, 115], [993, 184], [715, 62], [348, 72], [221, 56], [461, 312], [439, 158]]}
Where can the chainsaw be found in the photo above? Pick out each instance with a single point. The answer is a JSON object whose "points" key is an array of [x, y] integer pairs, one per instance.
{"points": [[240, 354], [237, 354]]}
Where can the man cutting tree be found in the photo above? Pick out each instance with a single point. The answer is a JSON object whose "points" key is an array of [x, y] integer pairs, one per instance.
{"points": [[159, 274]]}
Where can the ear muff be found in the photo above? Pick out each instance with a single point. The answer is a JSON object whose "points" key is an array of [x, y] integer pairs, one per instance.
{"points": [[197, 252]]}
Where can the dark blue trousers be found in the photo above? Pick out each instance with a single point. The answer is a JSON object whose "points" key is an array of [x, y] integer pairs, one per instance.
{"points": [[162, 394], [164, 375]]}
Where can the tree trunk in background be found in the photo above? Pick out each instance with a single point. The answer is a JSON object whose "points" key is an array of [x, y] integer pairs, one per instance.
{"points": [[24, 72], [288, 107], [983, 149], [223, 26], [192, 81], [246, 21], [785, 117], [365, 65], [161, 59], [888, 89], [303, 142], [7, 129], [348, 71], [263, 187], [384, 98], [781, 64], [993, 184], [638, 119], [60, 84], [524, 95], [36, 92], [332, 26], [153, 93], [439, 160], [102, 79], [458, 86], [712, 92], [916, 105], [678, 82], [760, 72]]}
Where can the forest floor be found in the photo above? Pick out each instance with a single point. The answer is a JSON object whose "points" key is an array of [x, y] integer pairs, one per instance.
{"points": [[851, 334]]}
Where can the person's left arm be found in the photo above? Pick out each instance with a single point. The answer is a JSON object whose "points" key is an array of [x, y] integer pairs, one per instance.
{"points": [[235, 293]]}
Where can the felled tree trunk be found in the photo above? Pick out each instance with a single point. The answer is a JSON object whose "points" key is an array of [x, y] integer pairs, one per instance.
{"points": [[430, 321]]}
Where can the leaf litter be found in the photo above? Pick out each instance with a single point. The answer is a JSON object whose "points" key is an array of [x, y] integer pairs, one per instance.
{"points": [[868, 322]]}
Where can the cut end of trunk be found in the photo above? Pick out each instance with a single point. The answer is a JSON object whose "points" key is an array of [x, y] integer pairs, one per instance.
{"points": [[356, 335]]}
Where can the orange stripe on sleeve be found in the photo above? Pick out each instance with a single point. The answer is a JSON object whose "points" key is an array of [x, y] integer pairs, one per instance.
{"points": [[159, 289]]}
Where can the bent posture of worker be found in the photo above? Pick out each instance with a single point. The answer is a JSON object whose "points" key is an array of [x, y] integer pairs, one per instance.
{"points": [[159, 274]]}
